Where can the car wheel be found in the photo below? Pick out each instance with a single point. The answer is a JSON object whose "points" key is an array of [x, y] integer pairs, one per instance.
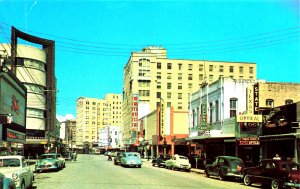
{"points": [[206, 173], [23, 185], [275, 184], [221, 175], [247, 180]]}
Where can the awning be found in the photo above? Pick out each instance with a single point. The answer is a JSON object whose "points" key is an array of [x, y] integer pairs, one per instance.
{"points": [[280, 137], [223, 136]]}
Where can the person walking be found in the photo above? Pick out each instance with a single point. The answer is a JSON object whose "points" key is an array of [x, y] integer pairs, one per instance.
{"points": [[74, 156]]}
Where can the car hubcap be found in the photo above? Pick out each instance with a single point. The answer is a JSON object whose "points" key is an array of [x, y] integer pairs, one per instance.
{"points": [[275, 184]]}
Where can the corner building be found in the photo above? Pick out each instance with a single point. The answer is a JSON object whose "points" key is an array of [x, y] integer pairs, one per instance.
{"points": [[150, 79]]}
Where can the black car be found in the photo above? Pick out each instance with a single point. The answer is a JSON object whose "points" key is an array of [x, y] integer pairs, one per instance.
{"points": [[160, 160], [117, 158], [274, 174], [225, 166]]}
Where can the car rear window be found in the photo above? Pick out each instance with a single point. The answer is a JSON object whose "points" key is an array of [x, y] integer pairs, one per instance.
{"points": [[235, 162], [290, 167]]}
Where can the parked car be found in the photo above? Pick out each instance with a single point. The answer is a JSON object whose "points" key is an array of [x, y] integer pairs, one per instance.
{"points": [[16, 168], [6, 183], [117, 159], [160, 161], [48, 162], [131, 159], [225, 166], [274, 174], [178, 162]]}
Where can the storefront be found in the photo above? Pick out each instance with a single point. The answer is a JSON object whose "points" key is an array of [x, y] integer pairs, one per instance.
{"points": [[12, 113]]}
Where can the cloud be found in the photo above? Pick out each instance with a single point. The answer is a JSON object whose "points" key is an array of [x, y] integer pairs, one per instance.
{"points": [[61, 118]]}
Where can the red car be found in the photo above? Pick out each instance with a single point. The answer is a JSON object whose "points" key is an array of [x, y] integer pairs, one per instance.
{"points": [[274, 174]]}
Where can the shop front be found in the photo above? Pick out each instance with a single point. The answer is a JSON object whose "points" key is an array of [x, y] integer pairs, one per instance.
{"points": [[12, 113]]}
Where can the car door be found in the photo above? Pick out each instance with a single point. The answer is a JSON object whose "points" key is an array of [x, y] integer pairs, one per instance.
{"points": [[269, 172], [26, 172], [219, 164]]}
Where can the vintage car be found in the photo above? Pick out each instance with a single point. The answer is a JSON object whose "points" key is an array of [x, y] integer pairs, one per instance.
{"points": [[225, 166], [16, 168], [160, 161], [48, 162], [131, 159], [178, 162], [117, 159], [6, 183], [274, 174]]}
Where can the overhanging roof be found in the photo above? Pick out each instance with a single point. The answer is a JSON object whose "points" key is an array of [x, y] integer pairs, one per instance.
{"points": [[210, 137]]}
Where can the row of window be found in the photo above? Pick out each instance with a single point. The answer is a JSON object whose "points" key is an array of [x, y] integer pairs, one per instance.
{"points": [[211, 68]]}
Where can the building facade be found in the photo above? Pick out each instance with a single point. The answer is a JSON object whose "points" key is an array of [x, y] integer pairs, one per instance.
{"points": [[150, 79], [34, 67]]}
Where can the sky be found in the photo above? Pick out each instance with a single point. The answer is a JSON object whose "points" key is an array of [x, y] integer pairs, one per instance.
{"points": [[94, 38]]}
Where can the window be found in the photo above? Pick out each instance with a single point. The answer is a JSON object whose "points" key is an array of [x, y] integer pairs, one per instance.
{"points": [[169, 66], [179, 66], [169, 95], [217, 110], [158, 66], [144, 92], [210, 112], [211, 68], [241, 69], [200, 77], [190, 66], [158, 85], [158, 95], [158, 75], [169, 76], [200, 67], [270, 103], [231, 69], [190, 85], [179, 86], [190, 77], [211, 78], [251, 70], [169, 85], [233, 107], [179, 95], [221, 68], [179, 76], [288, 101], [168, 104]]}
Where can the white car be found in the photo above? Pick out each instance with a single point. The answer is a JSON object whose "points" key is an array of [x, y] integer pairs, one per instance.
{"points": [[178, 162], [16, 168]]}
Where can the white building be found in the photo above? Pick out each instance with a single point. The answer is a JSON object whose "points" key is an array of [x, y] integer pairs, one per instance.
{"points": [[109, 137]]}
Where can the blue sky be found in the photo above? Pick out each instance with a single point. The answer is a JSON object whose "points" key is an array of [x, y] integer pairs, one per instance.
{"points": [[94, 39]]}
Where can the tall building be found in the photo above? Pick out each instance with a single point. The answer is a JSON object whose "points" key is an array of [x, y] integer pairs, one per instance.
{"points": [[70, 137], [94, 114], [151, 79], [34, 67]]}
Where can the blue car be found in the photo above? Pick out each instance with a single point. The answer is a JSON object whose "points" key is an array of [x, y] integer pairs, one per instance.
{"points": [[131, 159]]}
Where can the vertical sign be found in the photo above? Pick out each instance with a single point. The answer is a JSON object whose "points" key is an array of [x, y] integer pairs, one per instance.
{"points": [[134, 113], [204, 115], [250, 100], [162, 118], [256, 97]]}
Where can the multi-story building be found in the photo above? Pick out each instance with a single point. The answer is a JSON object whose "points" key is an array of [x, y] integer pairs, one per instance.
{"points": [[34, 67], [150, 79], [94, 114], [70, 137]]}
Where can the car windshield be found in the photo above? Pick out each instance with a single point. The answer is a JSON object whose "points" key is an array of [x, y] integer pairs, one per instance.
{"points": [[9, 163], [290, 167], [133, 155], [48, 156], [184, 158]]}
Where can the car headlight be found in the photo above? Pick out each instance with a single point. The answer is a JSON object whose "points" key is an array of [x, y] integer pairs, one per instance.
{"points": [[15, 176]]}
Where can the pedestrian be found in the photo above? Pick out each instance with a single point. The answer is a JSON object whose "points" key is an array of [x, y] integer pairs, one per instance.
{"points": [[277, 157], [74, 156]]}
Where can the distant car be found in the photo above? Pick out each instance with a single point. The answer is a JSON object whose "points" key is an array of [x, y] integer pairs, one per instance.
{"points": [[6, 183], [160, 161], [274, 174], [48, 162], [225, 166], [117, 159], [131, 159], [15, 168], [178, 162]]}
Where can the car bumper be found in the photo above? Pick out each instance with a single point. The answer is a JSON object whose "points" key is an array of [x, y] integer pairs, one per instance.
{"points": [[45, 167], [292, 184], [240, 176]]}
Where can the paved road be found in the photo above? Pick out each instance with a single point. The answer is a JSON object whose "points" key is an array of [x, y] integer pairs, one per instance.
{"points": [[94, 171]]}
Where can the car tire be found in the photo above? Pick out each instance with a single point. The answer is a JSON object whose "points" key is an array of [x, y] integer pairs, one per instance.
{"points": [[206, 173], [275, 184], [247, 180], [221, 175], [23, 185]]}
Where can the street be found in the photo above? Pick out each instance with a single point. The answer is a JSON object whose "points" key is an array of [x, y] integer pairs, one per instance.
{"points": [[94, 171]]}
